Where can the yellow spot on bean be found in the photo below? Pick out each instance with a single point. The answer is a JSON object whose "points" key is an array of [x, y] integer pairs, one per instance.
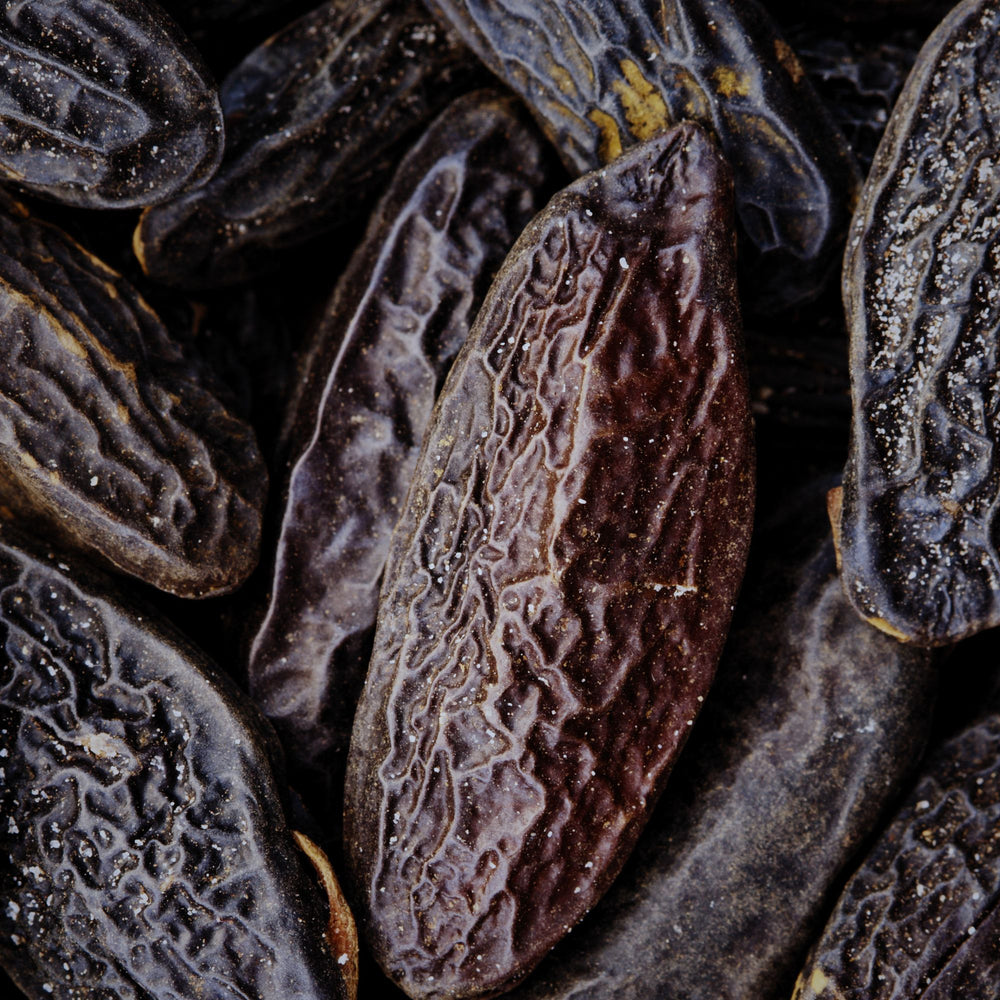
{"points": [[731, 82], [883, 626], [563, 79], [788, 60], [610, 145], [645, 109]]}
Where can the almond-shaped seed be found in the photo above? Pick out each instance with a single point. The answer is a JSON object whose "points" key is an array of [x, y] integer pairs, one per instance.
{"points": [[921, 915], [560, 584], [317, 118], [108, 439], [144, 849], [104, 103], [922, 292]]}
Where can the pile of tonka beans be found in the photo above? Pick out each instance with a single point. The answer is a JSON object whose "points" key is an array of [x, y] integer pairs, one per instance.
{"points": [[499, 497]]}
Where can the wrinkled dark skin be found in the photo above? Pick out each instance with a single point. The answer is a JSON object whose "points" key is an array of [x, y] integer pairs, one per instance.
{"points": [[400, 313], [919, 917], [560, 583], [813, 720], [108, 440], [316, 118], [922, 294], [601, 75], [103, 103], [144, 850]]}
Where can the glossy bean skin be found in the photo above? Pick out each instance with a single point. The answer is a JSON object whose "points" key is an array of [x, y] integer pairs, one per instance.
{"points": [[812, 723], [375, 365], [316, 118], [145, 846], [601, 75], [919, 916], [109, 440], [105, 104], [560, 583], [917, 524]]}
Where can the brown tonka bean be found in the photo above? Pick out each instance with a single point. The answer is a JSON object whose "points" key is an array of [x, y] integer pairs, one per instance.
{"points": [[559, 587]]}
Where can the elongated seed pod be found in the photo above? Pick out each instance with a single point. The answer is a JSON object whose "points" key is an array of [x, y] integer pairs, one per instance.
{"points": [[560, 583], [103, 103], [922, 292], [919, 917], [812, 722], [401, 311], [316, 118], [601, 75], [144, 850], [108, 438]]}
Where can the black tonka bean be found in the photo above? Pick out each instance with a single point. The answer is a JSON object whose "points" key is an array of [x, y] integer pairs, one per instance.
{"points": [[144, 850], [103, 103]]}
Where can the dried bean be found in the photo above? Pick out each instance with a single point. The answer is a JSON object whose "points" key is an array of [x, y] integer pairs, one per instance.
{"points": [[399, 315], [922, 293], [559, 587], [108, 439], [919, 917], [103, 103], [144, 850]]}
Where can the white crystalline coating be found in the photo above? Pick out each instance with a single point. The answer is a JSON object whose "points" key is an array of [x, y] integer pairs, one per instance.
{"points": [[922, 291]]}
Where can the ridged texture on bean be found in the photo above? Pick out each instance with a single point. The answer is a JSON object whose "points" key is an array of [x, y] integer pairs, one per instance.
{"points": [[922, 291], [106, 434], [143, 850], [813, 720], [316, 118], [103, 103], [560, 584], [603, 74], [401, 312], [920, 917]]}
